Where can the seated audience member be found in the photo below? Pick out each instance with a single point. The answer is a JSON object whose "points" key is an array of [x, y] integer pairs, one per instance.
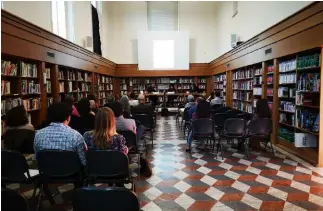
{"points": [[110, 101], [87, 116], [142, 108], [262, 110], [211, 97], [104, 136], [70, 100], [58, 135], [93, 105], [190, 101], [126, 124], [193, 108], [133, 101], [19, 133], [202, 111], [217, 100], [126, 106]]}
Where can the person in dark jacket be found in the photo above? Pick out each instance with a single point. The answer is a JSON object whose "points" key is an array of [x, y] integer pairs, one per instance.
{"points": [[19, 135], [142, 108], [87, 117]]}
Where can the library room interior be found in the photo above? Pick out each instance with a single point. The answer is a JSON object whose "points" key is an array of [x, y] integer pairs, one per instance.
{"points": [[161, 105]]}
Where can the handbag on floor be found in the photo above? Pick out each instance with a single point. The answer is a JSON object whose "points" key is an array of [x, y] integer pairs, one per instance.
{"points": [[145, 168]]}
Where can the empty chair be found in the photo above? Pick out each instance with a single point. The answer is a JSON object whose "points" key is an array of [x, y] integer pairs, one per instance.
{"points": [[260, 129], [234, 128], [59, 167], [233, 113], [215, 107], [202, 129], [246, 116], [219, 120], [148, 122], [221, 110], [103, 199], [12, 200], [105, 166]]}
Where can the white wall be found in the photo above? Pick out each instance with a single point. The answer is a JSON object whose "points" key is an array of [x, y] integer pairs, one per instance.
{"points": [[125, 19], [82, 21], [36, 12], [252, 18], [39, 13]]}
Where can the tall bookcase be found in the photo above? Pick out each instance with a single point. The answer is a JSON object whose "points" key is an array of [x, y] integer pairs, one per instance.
{"points": [[219, 85], [105, 88], [242, 87], [20, 85]]}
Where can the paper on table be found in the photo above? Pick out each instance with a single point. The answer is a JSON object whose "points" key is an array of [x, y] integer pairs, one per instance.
{"points": [[32, 172]]}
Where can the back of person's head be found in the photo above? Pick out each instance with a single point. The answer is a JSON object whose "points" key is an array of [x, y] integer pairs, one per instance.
{"points": [[262, 109], [132, 96], [199, 99], [17, 116], [111, 99], [117, 108], [203, 109], [91, 97], [69, 99], [124, 100], [212, 95], [59, 112], [84, 107], [141, 99], [105, 128], [190, 98], [217, 94]]}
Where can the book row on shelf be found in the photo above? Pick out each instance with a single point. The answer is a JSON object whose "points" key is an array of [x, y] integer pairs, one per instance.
{"points": [[30, 87], [29, 104], [105, 79], [289, 78], [11, 69]]}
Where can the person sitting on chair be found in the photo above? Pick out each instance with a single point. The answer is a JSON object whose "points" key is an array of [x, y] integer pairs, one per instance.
{"points": [[217, 100], [202, 111], [124, 100], [19, 133], [132, 100], [104, 135], [58, 135], [193, 108], [262, 110], [142, 108], [190, 101]]}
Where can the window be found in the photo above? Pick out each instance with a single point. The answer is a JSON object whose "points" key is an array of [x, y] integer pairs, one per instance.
{"points": [[163, 54], [58, 18], [93, 3], [162, 16]]}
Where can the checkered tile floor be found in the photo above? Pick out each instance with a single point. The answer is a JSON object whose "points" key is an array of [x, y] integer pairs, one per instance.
{"points": [[203, 181]]}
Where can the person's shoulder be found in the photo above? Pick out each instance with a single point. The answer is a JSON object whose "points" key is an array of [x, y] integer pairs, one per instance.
{"points": [[118, 137], [74, 133]]}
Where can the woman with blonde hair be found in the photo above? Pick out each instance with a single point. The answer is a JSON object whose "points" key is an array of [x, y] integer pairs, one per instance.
{"points": [[104, 135]]}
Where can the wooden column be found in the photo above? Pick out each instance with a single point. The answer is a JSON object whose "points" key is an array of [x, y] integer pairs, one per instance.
{"points": [[264, 80], [229, 92], [43, 94], [320, 140], [209, 85], [275, 114], [55, 83]]}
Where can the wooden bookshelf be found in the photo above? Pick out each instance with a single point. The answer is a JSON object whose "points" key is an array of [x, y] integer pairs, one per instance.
{"points": [[220, 85], [242, 86], [105, 88]]}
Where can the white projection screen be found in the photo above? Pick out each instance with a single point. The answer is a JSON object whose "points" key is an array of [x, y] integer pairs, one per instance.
{"points": [[163, 50]]}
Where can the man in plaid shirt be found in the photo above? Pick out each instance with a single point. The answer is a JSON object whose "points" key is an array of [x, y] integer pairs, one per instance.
{"points": [[58, 135]]}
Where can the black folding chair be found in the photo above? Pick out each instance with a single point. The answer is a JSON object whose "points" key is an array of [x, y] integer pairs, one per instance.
{"points": [[21, 140], [59, 167], [12, 200], [215, 107], [15, 169], [132, 143], [260, 129], [221, 110], [234, 128], [106, 166], [233, 113], [246, 116], [203, 129], [186, 121], [148, 122], [102, 199], [178, 113]]}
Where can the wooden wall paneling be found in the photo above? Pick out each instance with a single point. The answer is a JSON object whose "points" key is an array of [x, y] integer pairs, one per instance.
{"points": [[55, 84], [209, 85], [264, 80], [43, 95], [275, 112], [229, 92], [14, 46], [284, 27], [320, 141], [282, 48], [116, 86], [131, 70]]}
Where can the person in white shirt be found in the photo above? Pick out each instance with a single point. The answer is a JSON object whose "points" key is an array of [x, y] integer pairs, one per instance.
{"points": [[132, 101], [217, 100]]}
